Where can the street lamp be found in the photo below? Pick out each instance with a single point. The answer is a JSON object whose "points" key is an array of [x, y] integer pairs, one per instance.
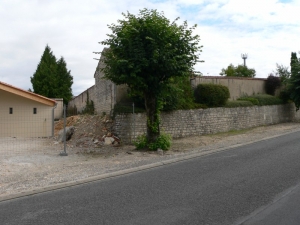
{"points": [[244, 57]]}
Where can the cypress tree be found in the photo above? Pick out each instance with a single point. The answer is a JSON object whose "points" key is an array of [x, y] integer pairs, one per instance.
{"points": [[44, 79], [294, 82], [52, 79]]}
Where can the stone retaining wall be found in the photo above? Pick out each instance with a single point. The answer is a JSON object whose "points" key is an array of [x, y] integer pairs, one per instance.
{"points": [[184, 123]]}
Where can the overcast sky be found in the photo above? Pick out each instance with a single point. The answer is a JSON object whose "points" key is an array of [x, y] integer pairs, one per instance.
{"points": [[267, 30]]}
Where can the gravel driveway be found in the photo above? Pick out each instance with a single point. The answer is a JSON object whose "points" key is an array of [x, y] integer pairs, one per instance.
{"points": [[41, 166]]}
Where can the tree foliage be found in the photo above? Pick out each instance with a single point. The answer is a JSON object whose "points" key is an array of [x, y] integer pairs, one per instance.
{"points": [[239, 71], [272, 83], [145, 52], [178, 95], [294, 82], [51, 78], [44, 78], [283, 73]]}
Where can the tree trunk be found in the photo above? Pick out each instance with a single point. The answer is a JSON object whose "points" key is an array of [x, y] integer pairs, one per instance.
{"points": [[152, 117]]}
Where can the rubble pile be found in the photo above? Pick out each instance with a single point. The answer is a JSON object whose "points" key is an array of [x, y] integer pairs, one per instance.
{"points": [[90, 131], [70, 121]]}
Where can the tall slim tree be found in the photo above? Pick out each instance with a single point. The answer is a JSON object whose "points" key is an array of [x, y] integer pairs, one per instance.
{"points": [[294, 82], [52, 78], [44, 79], [145, 52]]}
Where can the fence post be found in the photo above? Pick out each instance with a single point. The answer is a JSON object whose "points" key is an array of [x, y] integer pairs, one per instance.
{"points": [[64, 153], [133, 122]]}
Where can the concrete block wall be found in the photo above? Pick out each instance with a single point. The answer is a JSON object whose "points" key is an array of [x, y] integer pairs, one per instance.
{"points": [[184, 123], [59, 110], [238, 86]]}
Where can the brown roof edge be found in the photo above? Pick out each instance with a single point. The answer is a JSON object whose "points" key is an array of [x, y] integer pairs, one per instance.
{"points": [[26, 94]]}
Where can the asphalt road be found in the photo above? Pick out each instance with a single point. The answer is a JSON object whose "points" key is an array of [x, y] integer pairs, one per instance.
{"points": [[245, 185]]}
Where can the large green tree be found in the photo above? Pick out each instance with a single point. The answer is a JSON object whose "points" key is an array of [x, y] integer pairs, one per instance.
{"points": [[51, 78], [239, 71], [145, 52], [294, 81]]}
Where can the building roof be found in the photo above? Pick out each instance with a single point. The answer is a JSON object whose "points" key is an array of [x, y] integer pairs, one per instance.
{"points": [[26, 94]]}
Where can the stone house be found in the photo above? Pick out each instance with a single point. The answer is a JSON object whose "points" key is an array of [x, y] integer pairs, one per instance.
{"points": [[104, 93]]}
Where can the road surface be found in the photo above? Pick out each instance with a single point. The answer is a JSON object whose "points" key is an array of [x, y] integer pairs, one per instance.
{"points": [[244, 185]]}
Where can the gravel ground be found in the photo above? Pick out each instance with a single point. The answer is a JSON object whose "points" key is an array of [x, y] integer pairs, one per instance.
{"points": [[42, 166]]}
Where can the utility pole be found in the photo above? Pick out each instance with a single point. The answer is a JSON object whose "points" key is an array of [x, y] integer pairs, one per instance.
{"points": [[244, 57]]}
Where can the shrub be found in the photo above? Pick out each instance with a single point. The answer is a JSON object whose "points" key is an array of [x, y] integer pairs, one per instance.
{"points": [[212, 95], [141, 142], [89, 106], [163, 142], [272, 83], [267, 99], [71, 111], [238, 103], [284, 95], [254, 101]]}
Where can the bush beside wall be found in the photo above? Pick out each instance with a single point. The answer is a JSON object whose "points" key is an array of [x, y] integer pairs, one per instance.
{"points": [[212, 95]]}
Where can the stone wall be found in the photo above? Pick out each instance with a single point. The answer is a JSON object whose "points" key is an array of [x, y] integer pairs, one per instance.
{"points": [[238, 86], [184, 123], [80, 100]]}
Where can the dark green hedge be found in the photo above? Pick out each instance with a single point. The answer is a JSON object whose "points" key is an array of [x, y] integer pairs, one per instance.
{"points": [[272, 83], [254, 101], [263, 99], [268, 100], [238, 103], [212, 95]]}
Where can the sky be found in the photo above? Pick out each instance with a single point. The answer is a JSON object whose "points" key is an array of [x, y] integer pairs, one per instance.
{"points": [[267, 31]]}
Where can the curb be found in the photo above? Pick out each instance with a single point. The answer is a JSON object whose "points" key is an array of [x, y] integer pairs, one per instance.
{"points": [[131, 170]]}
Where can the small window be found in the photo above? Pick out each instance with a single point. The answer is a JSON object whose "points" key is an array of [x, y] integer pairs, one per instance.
{"points": [[10, 110], [34, 111]]}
